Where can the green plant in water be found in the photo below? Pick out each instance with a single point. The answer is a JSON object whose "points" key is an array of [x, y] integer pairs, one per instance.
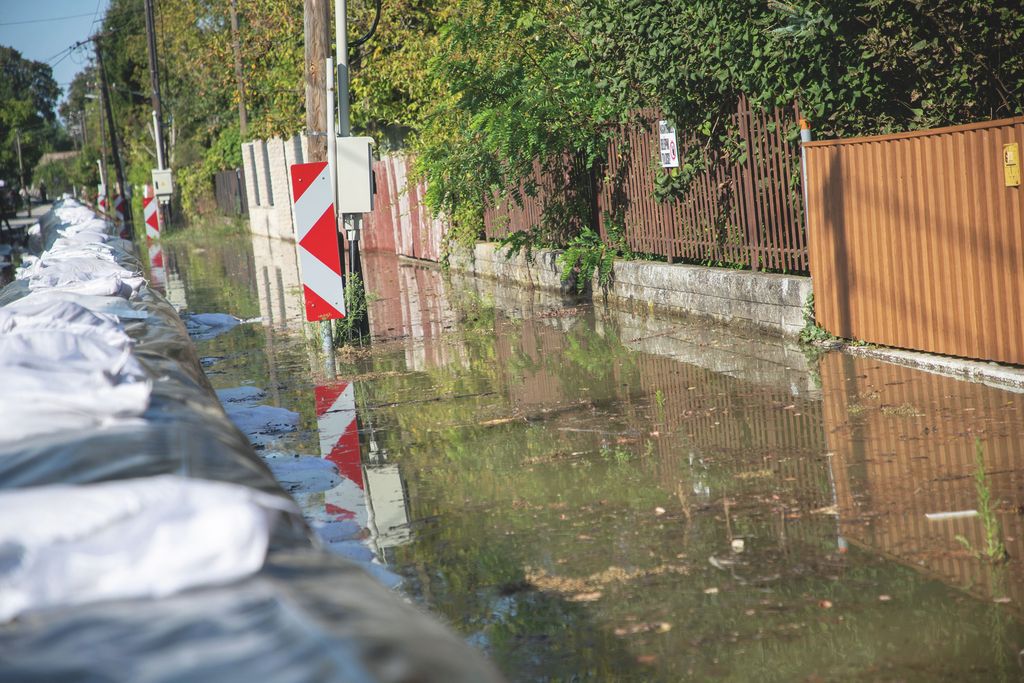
{"points": [[812, 332], [347, 329], [995, 549], [659, 398], [585, 254], [618, 455]]}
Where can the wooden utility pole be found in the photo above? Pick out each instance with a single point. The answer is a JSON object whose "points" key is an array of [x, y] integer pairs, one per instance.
{"points": [[243, 115], [114, 151], [154, 82], [21, 169], [317, 25]]}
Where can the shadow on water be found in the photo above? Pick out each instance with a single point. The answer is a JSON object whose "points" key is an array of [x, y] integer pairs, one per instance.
{"points": [[590, 494]]}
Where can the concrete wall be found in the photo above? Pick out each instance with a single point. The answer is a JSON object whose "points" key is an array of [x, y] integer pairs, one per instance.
{"points": [[762, 302], [268, 184]]}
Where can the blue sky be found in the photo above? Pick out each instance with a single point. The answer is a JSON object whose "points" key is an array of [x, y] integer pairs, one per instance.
{"points": [[46, 41]]}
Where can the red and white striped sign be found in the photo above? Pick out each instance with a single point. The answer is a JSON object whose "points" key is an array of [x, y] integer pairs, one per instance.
{"points": [[317, 237], [151, 215], [339, 443]]}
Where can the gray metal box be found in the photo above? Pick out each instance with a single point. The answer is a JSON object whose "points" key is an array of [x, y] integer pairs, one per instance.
{"points": [[355, 175], [163, 186]]}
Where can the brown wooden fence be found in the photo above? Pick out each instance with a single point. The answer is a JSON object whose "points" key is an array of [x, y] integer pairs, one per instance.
{"points": [[917, 243], [743, 208], [229, 189]]}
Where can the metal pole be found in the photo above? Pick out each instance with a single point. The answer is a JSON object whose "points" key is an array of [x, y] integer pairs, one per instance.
{"points": [[352, 222], [332, 139], [805, 136], [341, 55], [159, 147], [327, 344]]}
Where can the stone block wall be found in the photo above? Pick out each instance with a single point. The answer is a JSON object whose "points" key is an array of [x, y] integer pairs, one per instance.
{"points": [[268, 184], [763, 302]]}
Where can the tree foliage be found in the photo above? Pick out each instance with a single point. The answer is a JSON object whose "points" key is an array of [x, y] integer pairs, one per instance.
{"points": [[28, 97], [495, 90], [527, 80]]}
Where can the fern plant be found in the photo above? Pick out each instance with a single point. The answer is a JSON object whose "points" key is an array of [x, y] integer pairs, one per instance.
{"points": [[585, 254]]}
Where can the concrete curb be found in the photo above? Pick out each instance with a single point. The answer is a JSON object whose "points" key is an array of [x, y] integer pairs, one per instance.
{"points": [[984, 372]]}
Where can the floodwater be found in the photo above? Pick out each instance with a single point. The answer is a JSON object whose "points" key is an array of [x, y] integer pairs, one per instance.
{"points": [[592, 494]]}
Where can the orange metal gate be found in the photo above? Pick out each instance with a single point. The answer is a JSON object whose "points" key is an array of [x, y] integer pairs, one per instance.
{"points": [[916, 240]]}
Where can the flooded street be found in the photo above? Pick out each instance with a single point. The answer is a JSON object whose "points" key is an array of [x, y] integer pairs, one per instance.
{"points": [[591, 494]]}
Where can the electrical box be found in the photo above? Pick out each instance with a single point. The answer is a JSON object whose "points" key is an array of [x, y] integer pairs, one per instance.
{"points": [[355, 175], [1011, 164], [163, 186]]}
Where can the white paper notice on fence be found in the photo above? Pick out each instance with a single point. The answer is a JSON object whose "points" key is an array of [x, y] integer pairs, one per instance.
{"points": [[668, 147]]}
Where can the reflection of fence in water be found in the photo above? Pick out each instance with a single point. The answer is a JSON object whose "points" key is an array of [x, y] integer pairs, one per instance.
{"points": [[904, 444], [410, 301], [757, 437]]}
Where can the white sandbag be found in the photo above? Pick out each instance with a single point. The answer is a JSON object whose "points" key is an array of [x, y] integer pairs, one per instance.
{"points": [[65, 367], [204, 326], [107, 305], [73, 212], [137, 538]]}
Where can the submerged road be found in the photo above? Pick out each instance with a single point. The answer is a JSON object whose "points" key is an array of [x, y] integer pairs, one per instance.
{"points": [[588, 494]]}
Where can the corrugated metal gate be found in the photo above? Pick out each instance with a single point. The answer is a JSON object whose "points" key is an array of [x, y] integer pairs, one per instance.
{"points": [[400, 222], [916, 242]]}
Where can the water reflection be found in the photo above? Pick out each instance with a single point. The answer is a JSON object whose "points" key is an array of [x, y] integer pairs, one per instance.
{"points": [[903, 443], [596, 494]]}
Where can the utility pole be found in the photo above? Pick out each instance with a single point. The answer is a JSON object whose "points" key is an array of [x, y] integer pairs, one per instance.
{"points": [[243, 115], [158, 114], [154, 83], [316, 26], [118, 168], [21, 169]]}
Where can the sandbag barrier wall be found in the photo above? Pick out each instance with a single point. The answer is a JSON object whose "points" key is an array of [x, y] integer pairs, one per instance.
{"points": [[305, 615]]}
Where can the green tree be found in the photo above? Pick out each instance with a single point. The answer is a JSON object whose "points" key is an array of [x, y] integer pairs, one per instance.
{"points": [[28, 95]]}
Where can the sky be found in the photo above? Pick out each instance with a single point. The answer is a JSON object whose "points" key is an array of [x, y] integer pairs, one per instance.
{"points": [[40, 31]]}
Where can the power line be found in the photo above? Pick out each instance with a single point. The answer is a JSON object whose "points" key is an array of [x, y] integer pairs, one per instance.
{"points": [[39, 21]]}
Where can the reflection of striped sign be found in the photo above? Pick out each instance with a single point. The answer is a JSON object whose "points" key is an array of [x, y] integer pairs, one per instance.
{"points": [[317, 235], [339, 443], [119, 208], [151, 214], [157, 277]]}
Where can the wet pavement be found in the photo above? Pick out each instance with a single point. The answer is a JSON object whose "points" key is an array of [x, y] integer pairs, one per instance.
{"points": [[590, 494]]}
